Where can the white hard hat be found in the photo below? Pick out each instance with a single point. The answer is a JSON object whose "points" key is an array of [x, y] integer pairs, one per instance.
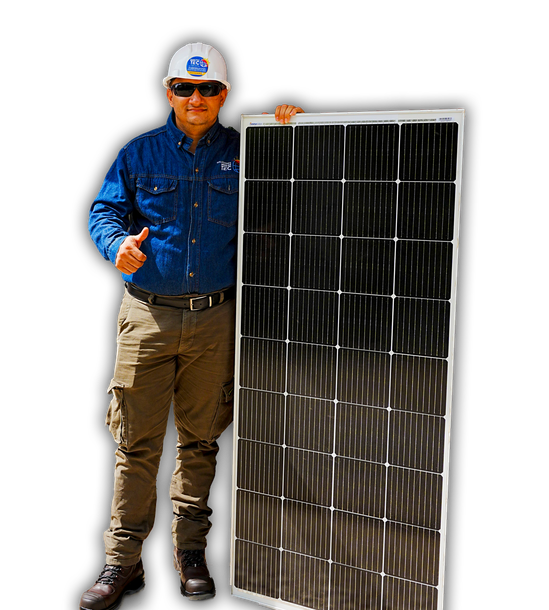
{"points": [[196, 61]]}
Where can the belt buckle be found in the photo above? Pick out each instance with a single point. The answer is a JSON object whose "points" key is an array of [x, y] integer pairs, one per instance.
{"points": [[192, 300]]}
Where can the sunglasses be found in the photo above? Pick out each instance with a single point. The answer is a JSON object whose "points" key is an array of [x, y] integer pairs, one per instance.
{"points": [[205, 89]]}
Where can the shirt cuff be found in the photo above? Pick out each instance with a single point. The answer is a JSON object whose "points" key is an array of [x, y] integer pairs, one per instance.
{"points": [[113, 248]]}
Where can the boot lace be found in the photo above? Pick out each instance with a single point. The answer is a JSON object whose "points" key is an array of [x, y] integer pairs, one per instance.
{"points": [[193, 559], [109, 574]]}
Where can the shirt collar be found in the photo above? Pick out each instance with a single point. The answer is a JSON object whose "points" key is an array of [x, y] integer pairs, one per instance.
{"points": [[184, 141]]}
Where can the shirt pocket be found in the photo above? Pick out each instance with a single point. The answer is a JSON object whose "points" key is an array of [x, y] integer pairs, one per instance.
{"points": [[156, 199], [223, 201]]}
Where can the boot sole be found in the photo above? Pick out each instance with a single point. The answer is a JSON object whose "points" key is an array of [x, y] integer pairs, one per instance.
{"points": [[196, 597], [133, 587]]}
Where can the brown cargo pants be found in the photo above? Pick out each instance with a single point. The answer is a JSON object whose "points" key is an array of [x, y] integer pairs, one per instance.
{"points": [[167, 355]]}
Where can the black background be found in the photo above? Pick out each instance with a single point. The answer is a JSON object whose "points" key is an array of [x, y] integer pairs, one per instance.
{"points": [[103, 75]]}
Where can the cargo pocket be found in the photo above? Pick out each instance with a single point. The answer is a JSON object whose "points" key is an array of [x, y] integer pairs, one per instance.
{"points": [[116, 414], [224, 412]]}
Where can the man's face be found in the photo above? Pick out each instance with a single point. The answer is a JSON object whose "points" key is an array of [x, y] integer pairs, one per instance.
{"points": [[195, 113]]}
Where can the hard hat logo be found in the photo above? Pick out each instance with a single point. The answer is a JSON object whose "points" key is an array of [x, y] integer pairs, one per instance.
{"points": [[197, 66]]}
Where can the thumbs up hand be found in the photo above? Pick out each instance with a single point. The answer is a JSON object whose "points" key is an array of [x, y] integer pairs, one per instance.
{"points": [[129, 257]]}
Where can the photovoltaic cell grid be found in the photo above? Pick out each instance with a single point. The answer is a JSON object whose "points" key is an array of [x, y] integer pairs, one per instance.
{"points": [[348, 243]]}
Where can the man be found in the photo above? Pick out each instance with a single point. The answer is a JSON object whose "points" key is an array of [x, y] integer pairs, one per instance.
{"points": [[166, 218]]}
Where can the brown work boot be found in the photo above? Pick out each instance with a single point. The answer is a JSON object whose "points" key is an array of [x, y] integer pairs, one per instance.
{"points": [[113, 583], [196, 583]]}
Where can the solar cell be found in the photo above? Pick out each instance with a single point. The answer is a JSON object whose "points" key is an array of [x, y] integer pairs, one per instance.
{"points": [[348, 239]]}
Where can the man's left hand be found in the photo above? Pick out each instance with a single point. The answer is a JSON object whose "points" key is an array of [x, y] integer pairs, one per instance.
{"points": [[285, 112]]}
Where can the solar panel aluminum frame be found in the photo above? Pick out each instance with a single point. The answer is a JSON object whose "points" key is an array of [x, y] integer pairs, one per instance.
{"points": [[360, 118]]}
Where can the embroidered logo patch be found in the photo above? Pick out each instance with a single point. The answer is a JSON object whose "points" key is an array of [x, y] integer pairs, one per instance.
{"points": [[227, 166]]}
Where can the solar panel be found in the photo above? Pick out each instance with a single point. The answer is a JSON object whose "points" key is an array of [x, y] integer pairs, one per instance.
{"points": [[348, 238]]}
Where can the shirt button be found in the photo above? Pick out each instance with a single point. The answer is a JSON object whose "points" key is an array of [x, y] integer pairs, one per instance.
{"points": [[191, 274], [196, 204], [194, 241], [196, 170]]}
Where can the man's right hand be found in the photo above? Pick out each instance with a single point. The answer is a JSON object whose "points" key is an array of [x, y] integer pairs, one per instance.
{"points": [[129, 257]]}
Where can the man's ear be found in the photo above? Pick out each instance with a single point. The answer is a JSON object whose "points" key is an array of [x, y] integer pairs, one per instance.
{"points": [[169, 95], [223, 95]]}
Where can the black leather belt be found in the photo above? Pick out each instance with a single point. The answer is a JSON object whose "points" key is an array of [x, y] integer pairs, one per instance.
{"points": [[196, 303]]}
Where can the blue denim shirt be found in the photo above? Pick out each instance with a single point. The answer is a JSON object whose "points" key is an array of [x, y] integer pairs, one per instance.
{"points": [[188, 201]]}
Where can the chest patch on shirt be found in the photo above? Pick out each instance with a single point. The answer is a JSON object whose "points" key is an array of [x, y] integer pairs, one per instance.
{"points": [[230, 166]]}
